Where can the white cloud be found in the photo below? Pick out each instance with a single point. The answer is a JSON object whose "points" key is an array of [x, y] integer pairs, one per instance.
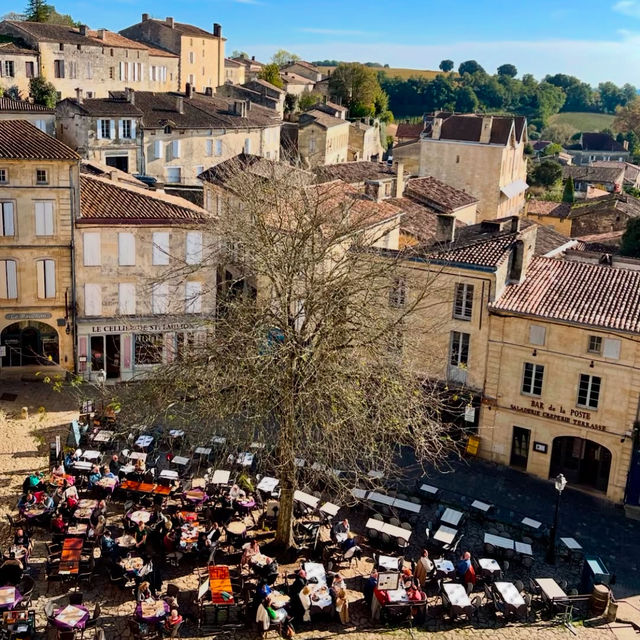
{"points": [[336, 32], [628, 8], [592, 61]]}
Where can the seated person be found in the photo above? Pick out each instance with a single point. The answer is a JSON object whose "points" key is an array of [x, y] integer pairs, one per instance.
{"points": [[252, 549], [99, 510], [94, 475], [22, 539], [58, 525], [263, 590], [139, 467], [108, 545], [211, 540], [107, 473], [369, 587], [143, 593], [12, 569], [173, 620], [465, 570], [114, 465], [235, 493], [59, 470], [26, 501], [424, 567], [170, 543], [70, 492], [99, 528], [33, 481], [341, 530], [140, 535], [48, 502]]}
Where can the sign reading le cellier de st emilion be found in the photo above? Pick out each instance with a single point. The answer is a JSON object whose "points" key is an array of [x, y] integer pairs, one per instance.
{"points": [[575, 417]]}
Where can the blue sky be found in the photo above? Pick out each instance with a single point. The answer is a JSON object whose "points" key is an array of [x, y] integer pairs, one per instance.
{"points": [[594, 39]]}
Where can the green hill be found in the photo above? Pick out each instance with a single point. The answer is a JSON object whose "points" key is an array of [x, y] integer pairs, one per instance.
{"points": [[584, 121]]}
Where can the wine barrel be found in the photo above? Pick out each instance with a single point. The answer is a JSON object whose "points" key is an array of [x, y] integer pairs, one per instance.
{"points": [[599, 599]]}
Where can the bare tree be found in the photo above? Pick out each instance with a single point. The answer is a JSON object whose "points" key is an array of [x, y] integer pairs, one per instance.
{"points": [[307, 351]]}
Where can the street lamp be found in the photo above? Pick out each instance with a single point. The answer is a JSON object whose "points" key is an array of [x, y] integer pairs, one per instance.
{"points": [[560, 483]]}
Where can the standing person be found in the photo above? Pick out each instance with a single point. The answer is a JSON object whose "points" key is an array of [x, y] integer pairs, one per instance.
{"points": [[465, 569], [114, 464], [424, 567], [300, 582]]}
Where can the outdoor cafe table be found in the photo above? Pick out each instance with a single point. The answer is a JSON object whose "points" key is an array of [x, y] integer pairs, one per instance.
{"points": [[9, 597], [571, 543], [181, 461], [132, 564], [444, 567], [197, 496], [144, 441], [141, 515], [376, 475], [91, 454], [551, 590], [70, 555], [320, 596], [58, 481], [388, 563], [330, 509], [481, 506], [498, 541], [406, 505], [236, 528], [380, 498], [107, 483], [220, 477], [267, 484], [511, 597], [389, 529], [176, 433], [87, 503], [245, 459], [361, 494], [456, 596], [531, 523], [82, 465], [152, 611], [524, 548], [126, 541], [451, 516], [445, 534], [34, 511], [307, 499], [145, 487], [489, 566], [79, 529], [71, 617], [103, 436], [168, 474], [138, 455], [427, 488], [220, 584]]}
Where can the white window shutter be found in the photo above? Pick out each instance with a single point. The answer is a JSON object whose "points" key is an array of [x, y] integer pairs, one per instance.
{"points": [[247, 145], [99, 129], [157, 149], [40, 276], [8, 224], [122, 71], [194, 247], [209, 147], [40, 222], [611, 348], [91, 249], [112, 129], [50, 278], [127, 298], [126, 249], [218, 147], [160, 298], [160, 248], [133, 129], [120, 127], [175, 148], [8, 279], [48, 218], [93, 299], [193, 297]]}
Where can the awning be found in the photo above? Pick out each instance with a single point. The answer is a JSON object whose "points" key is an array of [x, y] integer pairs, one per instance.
{"points": [[515, 188]]}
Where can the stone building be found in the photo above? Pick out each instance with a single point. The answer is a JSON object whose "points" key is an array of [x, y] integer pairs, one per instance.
{"points": [[234, 72], [200, 52], [18, 64], [590, 182], [563, 388], [95, 61], [481, 154], [364, 141], [304, 69], [171, 137], [37, 114], [257, 91], [595, 147], [38, 198], [146, 288], [322, 139], [295, 84], [252, 67]]}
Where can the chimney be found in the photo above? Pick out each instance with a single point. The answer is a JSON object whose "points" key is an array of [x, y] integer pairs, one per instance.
{"points": [[253, 58], [399, 179], [83, 29], [516, 270], [130, 95], [445, 228], [240, 108], [180, 104], [373, 189], [217, 30], [188, 90], [485, 133], [101, 33], [515, 224], [113, 176], [208, 91], [436, 128], [145, 17], [169, 21], [79, 99]]}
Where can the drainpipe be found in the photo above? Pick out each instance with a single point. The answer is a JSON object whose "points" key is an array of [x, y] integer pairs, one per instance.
{"points": [[74, 199]]}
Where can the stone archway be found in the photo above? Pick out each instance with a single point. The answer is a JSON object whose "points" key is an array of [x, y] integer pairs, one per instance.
{"points": [[583, 462], [30, 342]]}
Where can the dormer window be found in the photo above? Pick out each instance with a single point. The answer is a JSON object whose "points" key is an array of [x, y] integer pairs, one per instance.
{"points": [[167, 129]]}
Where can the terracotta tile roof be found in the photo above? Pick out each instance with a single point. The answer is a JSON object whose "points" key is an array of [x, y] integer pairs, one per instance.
{"points": [[631, 171], [293, 78], [600, 142], [577, 292], [468, 127], [354, 172], [98, 107], [8, 105], [485, 252], [548, 208], [593, 174], [95, 168], [162, 53], [103, 201], [438, 195], [45, 32], [113, 39], [230, 62], [303, 63], [409, 130], [267, 85], [621, 202], [20, 139], [13, 49], [185, 29]]}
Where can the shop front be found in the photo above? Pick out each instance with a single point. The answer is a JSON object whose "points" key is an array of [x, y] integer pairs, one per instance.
{"points": [[126, 351]]}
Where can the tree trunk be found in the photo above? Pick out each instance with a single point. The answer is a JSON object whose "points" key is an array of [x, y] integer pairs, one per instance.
{"points": [[284, 532]]}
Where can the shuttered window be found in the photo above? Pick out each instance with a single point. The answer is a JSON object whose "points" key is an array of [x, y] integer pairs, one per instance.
{"points": [[46, 276], [193, 297], [194, 247], [611, 348], [93, 299], [127, 298], [44, 218], [126, 249], [157, 149], [537, 334], [7, 220], [8, 279], [91, 249], [175, 148], [160, 248]]}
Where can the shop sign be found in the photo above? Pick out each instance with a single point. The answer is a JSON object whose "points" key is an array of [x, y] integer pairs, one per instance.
{"points": [[27, 316], [141, 328], [573, 417]]}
